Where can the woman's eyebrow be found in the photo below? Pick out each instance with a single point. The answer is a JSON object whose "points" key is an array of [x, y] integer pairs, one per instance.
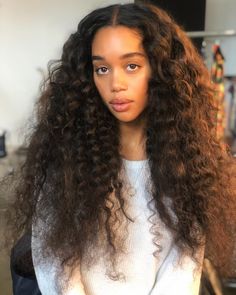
{"points": [[126, 55]]}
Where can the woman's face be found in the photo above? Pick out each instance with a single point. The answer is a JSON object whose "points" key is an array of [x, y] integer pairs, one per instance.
{"points": [[121, 71]]}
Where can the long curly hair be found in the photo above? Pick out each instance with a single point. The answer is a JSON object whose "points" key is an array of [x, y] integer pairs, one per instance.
{"points": [[73, 160]]}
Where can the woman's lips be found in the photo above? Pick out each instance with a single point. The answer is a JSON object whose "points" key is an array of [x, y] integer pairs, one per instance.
{"points": [[120, 105]]}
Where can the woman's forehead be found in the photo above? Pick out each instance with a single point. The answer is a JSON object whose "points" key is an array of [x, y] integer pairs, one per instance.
{"points": [[118, 38]]}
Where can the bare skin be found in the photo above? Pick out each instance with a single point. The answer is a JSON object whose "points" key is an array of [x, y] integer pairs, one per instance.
{"points": [[132, 141]]}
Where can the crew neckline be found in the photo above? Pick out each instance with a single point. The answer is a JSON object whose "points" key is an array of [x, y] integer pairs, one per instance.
{"points": [[134, 163]]}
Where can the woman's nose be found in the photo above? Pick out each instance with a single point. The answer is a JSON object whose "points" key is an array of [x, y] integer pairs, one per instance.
{"points": [[118, 81]]}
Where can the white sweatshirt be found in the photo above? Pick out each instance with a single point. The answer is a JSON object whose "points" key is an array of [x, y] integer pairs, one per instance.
{"points": [[145, 274]]}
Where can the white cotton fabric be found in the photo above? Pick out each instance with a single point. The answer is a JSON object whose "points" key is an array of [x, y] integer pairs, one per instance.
{"points": [[145, 274]]}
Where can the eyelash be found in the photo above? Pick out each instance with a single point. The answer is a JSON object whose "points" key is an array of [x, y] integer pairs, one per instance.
{"points": [[99, 68]]}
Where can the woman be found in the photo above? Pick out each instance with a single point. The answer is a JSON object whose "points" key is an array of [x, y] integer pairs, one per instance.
{"points": [[125, 183]]}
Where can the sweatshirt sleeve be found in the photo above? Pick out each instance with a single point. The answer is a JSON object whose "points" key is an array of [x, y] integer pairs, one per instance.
{"points": [[47, 269], [178, 278]]}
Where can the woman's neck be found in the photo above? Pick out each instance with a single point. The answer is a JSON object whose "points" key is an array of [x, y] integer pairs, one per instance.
{"points": [[133, 141]]}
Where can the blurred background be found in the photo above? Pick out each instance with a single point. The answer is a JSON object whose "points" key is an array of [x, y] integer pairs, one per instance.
{"points": [[32, 32]]}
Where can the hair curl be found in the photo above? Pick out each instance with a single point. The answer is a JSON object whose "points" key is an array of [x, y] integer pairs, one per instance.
{"points": [[73, 159]]}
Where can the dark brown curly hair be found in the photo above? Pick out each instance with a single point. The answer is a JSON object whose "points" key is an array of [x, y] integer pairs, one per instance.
{"points": [[73, 161]]}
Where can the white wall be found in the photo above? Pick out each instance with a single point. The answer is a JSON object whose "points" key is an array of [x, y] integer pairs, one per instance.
{"points": [[32, 32], [221, 16]]}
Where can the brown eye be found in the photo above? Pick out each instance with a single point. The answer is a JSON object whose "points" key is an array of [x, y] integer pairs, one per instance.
{"points": [[101, 70], [132, 67]]}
